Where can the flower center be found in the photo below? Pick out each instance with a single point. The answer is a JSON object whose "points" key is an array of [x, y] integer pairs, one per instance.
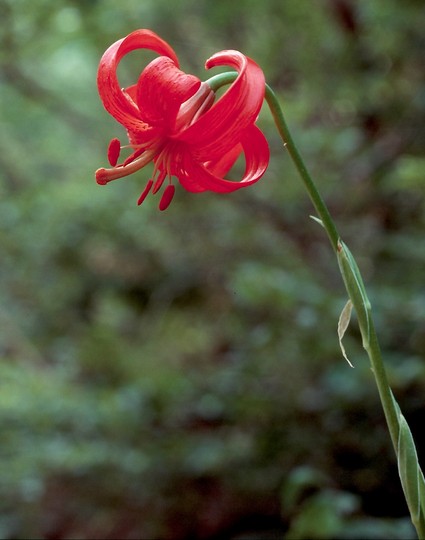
{"points": [[166, 166], [142, 155], [166, 151]]}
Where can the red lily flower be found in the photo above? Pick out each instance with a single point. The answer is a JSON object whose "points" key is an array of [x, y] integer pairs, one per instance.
{"points": [[171, 119]]}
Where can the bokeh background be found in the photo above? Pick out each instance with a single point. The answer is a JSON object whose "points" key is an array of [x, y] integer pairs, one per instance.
{"points": [[177, 375]]}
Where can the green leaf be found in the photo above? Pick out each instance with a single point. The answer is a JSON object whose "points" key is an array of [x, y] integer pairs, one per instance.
{"points": [[343, 322], [317, 220], [422, 497], [409, 468], [356, 289]]}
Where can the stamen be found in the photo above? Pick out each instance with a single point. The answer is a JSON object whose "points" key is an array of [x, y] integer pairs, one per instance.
{"points": [[114, 149], [133, 156], [159, 182], [167, 197], [145, 192], [103, 176]]}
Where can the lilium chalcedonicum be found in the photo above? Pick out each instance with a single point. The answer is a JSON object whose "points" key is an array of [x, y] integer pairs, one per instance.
{"points": [[172, 119]]}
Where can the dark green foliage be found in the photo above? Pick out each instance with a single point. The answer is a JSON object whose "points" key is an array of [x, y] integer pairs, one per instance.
{"points": [[178, 375]]}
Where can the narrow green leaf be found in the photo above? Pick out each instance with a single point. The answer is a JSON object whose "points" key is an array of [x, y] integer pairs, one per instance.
{"points": [[355, 288], [422, 496], [408, 468], [418, 522], [343, 322], [317, 220]]}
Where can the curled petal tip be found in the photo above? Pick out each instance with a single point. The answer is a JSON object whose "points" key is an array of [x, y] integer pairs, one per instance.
{"points": [[231, 57]]}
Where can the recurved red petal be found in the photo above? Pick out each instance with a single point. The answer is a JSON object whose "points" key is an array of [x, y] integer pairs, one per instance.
{"points": [[161, 89], [222, 166], [222, 125], [200, 177], [116, 101]]}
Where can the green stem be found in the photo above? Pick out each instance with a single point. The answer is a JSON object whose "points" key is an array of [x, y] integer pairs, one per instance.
{"points": [[413, 477], [371, 343], [288, 142], [374, 352], [410, 473]]}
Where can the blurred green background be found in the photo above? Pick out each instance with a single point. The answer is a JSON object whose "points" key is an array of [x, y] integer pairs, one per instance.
{"points": [[177, 375]]}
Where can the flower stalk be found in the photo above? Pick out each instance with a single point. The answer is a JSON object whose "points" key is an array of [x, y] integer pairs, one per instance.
{"points": [[411, 475]]}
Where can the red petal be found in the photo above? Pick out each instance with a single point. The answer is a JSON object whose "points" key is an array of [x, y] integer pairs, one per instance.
{"points": [[222, 125], [194, 107], [223, 165], [116, 101], [201, 177], [161, 89]]}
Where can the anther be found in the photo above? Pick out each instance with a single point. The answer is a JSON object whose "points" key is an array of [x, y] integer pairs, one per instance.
{"points": [[145, 192], [167, 197], [114, 150], [159, 182]]}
